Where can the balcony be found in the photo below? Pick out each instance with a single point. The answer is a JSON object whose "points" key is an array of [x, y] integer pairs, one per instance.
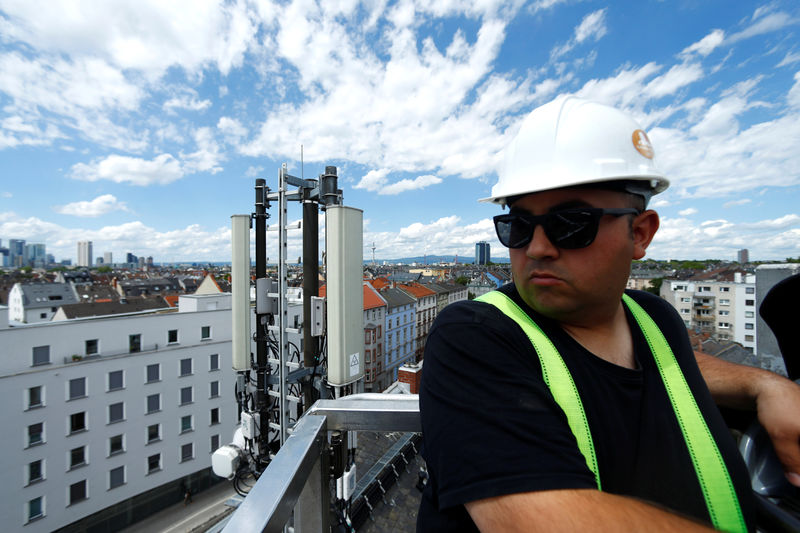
{"points": [[295, 487]]}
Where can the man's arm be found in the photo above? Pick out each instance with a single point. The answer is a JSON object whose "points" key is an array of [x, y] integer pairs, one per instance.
{"points": [[776, 399], [574, 510]]}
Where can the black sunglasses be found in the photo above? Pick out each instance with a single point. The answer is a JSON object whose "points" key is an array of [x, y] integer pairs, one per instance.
{"points": [[568, 229]]}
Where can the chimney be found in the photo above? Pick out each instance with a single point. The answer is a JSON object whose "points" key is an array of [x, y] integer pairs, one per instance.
{"points": [[410, 373]]}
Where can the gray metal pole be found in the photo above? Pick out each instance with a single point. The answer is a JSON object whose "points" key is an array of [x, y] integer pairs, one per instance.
{"points": [[310, 288]]}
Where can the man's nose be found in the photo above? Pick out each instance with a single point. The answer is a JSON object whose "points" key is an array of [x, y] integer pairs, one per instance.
{"points": [[540, 246]]}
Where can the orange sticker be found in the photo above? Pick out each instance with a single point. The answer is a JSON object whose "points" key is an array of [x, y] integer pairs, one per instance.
{"points": [[642, 144]]}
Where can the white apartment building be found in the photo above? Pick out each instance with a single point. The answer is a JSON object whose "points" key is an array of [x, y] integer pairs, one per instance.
{"points": [[401, 337], [725, 309], [85, 257], [98, 411]]}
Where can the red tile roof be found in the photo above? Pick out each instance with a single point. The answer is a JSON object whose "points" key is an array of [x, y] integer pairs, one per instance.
{"points": [[417, 290], [371, 298]]}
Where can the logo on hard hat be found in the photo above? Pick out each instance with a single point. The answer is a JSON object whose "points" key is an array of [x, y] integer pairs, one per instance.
{"points": [[642, 144]]}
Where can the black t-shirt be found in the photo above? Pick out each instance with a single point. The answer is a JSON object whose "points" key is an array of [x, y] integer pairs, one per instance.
{"points": [[491, 426]]}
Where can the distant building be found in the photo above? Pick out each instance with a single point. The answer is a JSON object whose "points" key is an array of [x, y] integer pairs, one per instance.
{"points": [[725, 308], [107, 258], [482, 253], [16, 252], [38, 302], [131, 259], [85, 253], [743, 256], [35, 255]]}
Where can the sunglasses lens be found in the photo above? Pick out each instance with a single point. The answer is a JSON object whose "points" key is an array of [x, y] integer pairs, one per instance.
{"points": [[571, 230], [513, 231]]}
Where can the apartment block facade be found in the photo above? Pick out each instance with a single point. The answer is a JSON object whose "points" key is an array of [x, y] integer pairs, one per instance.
{"points": [[99, 411], [725, 309]]}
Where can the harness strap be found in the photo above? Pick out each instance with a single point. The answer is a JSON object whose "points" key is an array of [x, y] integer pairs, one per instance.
{"points": [[712, 474], [556, 375]]}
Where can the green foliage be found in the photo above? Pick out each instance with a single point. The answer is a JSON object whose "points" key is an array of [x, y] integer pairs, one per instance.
{"points": [[104, 269], [655, 286], [462, 280]]}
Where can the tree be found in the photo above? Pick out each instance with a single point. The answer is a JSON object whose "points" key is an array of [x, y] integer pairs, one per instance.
{"points": [[655, 286], [462, 280], [104, 269]]}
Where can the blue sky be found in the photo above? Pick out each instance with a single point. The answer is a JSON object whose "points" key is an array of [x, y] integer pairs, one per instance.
{"points": [[141, 125]]}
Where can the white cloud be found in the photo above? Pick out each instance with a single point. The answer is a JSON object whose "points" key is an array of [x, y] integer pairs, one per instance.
{"points": [[706, 45], [763, 24], [736, 203], [446, 235], [101, 205], [789, 59], [6, 194], [191, 103], [374, 180], [688, 212], [408, 184], [593, 26], [148, 36], [231, 128], [160, 170], [793, 97], [676, 78], [208, 155]]}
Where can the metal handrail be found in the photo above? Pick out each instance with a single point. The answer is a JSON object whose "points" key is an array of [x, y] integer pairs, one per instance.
{"points": [[297, 478]]}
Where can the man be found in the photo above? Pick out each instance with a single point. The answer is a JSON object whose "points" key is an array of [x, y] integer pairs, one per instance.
{"points": [[507, 449]]}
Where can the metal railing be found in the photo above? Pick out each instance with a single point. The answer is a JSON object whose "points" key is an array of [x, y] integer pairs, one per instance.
{"points": [[296, 481]]}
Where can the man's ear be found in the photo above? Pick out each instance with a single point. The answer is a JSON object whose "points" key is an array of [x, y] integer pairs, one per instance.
{"points": [[644, 228]]}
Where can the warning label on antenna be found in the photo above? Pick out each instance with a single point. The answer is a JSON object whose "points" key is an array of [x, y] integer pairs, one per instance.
{"points": [[354, 364]]}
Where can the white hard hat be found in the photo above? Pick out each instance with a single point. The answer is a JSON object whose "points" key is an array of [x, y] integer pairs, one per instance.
{"points": [[571, 141]]}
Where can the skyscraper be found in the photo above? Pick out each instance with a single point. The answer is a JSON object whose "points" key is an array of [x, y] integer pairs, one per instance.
{"points": [[743, 256], [482, 253], [16, 252], [85, 253], [107, 258]]}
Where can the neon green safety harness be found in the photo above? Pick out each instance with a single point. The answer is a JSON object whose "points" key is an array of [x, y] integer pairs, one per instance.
{"points": [[712, 474]]}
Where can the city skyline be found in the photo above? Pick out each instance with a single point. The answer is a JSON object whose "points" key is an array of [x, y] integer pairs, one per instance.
{"points": [[143, 138]]}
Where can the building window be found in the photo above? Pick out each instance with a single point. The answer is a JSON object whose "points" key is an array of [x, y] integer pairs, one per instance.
{"points": [[749, 302], [214, 389], [153, 403], [186, 423], [187, 452], [724, 289], [115, 380], [77, 422], [172, 336], [153, 433], [724, 325], [205, 333], [749, 338], [154, 463], [749, 290], [186, 395], [77, 492], [724, 301], [35, 397], [41, 355], [116, 412], [748, 325], [685, 311], [36, 434], [35, 471], [214, 443], [153, 373], [116, 445], [724, 313], [368, 356], [186, 366], [135, 343], [116, 477], [77, 388], [91, 347], [213, 361], [749, 314], [77, 457], [35, 508], [215, 416]]}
